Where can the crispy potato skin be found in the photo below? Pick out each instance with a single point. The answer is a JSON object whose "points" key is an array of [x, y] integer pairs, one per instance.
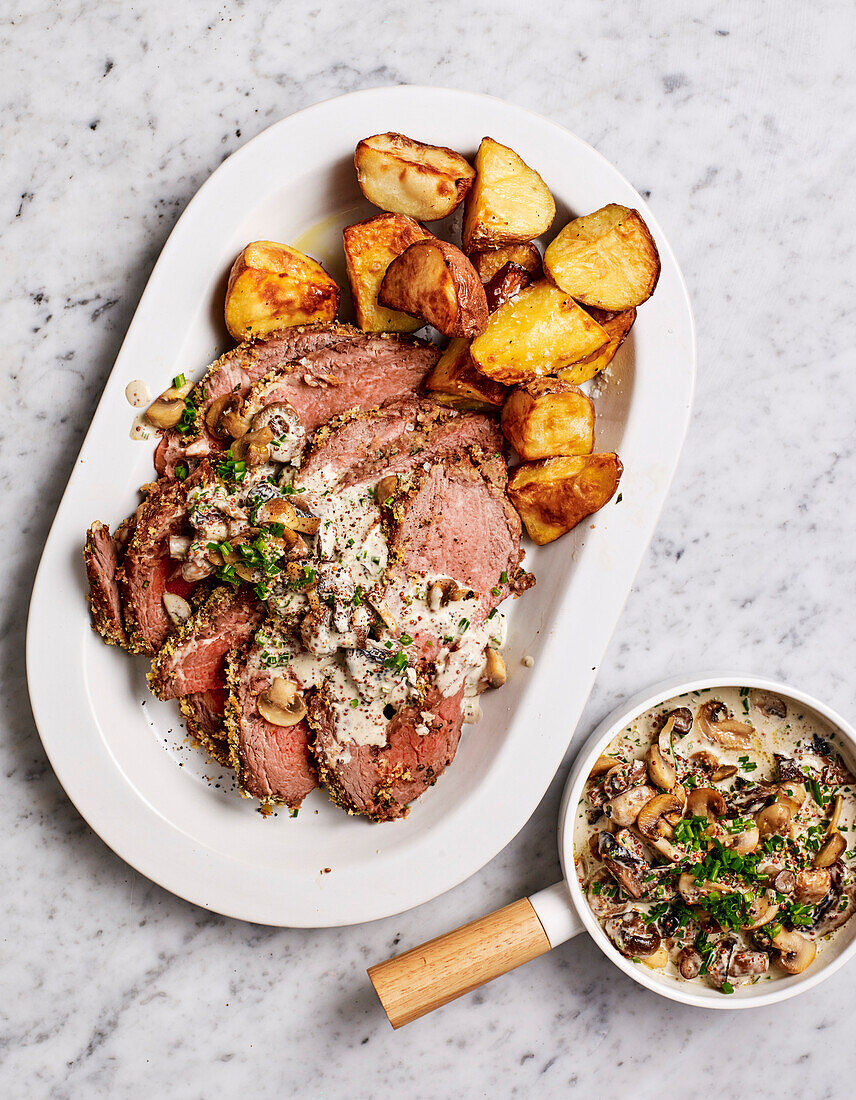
{"points": [[370, 247], [554, 495], [435, 281], [505, 285], [405, 176], [492, 260], [616, 326], [548, 417], [539, 332], [508, 203], [607, 259], [274, 286], [456, 382]]}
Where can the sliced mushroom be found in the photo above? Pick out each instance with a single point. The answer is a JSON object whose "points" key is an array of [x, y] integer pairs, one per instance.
{"points": [[761, 912], [624, 809], [282, 703], [682, 720], [747, 800], [796, 951], [836, 908], [177, 608], [444, 591], [232, 418], [165, 411], [774, 820], [716, 725], [748, 964], [787, 769], [785, 881], [689, 963], [602, 765], [624, 776], [660, 770], [602, 896], [632, 936], [494, 673], [626, 867], [651, 823], [725, 771], [213, 413], [385, 488], [792, 796], [830, 851], [835, 815], [745, 841], [706, 802], [773, 706], [286, 427], [253, 447], [811, 887], [704, 761]]}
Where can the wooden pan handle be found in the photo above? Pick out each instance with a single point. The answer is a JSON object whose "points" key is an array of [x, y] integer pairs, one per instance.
{"points": [[458, 962]]}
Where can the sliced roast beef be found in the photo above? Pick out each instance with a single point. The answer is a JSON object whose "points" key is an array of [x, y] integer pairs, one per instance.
{"points": [[193, 660], [205, 712], [382, 781], [101, 558], [329, 371], [455, 520], [146, 566], [361, 374], [271, 762], [402, 434]]}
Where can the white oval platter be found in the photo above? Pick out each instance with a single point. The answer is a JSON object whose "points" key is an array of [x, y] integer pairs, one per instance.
{"points": [[122, 756]]}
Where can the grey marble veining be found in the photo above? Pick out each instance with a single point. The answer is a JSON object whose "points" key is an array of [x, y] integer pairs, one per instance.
{"points": [[736, 121]]}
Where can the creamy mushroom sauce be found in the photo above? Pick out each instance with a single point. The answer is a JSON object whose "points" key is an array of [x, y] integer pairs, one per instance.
{"points": [[329, 624], [720, 863]]}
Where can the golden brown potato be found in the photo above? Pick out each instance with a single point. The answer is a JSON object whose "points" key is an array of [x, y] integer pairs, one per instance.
{"points": [[370, 247], [435, 281], [408, 177], [456, 382], [606, 259], [274, 285], [505, 285], [554, 495], [488, 263], [508, 203], [616, 326], [539, 332], [548, 417]]}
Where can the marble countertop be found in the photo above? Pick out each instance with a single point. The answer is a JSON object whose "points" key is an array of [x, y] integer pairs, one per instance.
{"points": [[729, 118]]}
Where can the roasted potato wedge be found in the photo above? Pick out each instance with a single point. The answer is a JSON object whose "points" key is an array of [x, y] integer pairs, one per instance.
{"points": [[616, 326], [539, 332], [505, 285], [554, 495], [456, 382], [436, 282], [548, 417], [370, 247], [607, 259], [408, 177], [488, 263], [274, 285], [508, 203]]}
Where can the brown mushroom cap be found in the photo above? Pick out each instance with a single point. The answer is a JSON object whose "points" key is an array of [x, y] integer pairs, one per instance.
{"points": [[282, 703], [811, 887], [602, 765], [706, 802], [660, 770], [651, 823], [796, 952], [718, 726], [775, 819], [830, 851]]}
